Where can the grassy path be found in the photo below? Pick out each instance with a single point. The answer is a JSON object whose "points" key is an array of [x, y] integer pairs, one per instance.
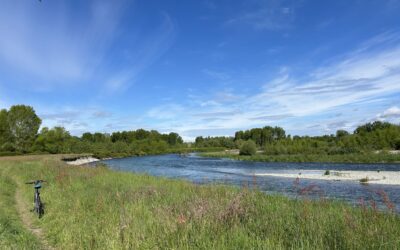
{"points": [[13, 233], [26, 217]]}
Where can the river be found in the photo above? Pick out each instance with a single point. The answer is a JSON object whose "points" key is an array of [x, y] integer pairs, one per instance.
{"points": [[241, 173]]}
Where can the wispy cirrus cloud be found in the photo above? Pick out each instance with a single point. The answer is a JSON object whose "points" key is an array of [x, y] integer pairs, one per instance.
{"points": [[266, 15], [76, 119], [145, 53], [218, 75], [51, 45], [168, 111], [365, 76], [358, 77]]}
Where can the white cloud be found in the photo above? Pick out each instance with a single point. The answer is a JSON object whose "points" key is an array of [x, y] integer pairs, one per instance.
{"points": [[218, 75], [359, 78], [55, 45], [51, 45], [146, 53], [389, 114], [168, 111], [356, 78], [266, 15]]}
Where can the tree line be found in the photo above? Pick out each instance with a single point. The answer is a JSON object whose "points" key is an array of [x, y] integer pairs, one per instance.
{"points": [[19, 134], [274, 141]]}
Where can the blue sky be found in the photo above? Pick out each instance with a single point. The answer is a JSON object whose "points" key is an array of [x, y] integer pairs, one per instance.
{"points": [[202, 67]]}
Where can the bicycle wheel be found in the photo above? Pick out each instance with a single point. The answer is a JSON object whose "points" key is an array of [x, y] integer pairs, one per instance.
{"points": [[41, 210], [37, 201], [40, 207]]}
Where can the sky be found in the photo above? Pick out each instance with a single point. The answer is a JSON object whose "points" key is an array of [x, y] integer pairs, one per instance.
{"points": [[202, 67]]}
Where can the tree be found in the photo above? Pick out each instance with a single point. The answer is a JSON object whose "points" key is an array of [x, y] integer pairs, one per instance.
{"points": [[87, 136], [174, 138], [340, 133], [397, 144], [52, 140], [4, 129], [248, 148], [23, 125]]}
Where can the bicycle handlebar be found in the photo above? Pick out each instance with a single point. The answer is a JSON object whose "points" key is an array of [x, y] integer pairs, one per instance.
{"points": [[34, 182]]}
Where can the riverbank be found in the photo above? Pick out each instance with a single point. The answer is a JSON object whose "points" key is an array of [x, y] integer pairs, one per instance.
{"points": [[83, 160], [371, 157], [365, 177], [97, 208]]}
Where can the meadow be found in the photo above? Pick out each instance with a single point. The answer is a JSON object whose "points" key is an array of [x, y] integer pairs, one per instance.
{"points": [[97, 208]]}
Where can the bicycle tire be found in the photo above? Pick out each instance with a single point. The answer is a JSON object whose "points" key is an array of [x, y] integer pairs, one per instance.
{"points": [[41, 210], [36, 206]]}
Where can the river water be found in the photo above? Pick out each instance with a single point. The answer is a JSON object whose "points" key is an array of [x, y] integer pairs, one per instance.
{"points": [[241, 173]]}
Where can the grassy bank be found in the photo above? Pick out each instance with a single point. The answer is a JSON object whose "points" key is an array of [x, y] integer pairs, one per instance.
{"points": [[342, 158], [176, 150], [13, 235], [96, 208]]}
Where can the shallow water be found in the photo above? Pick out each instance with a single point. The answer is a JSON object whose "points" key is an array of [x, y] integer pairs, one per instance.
{"points": [[241, 173]]}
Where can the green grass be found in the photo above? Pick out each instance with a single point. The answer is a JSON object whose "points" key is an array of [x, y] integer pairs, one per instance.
{"points": [[12, 233], [97, 208], [342, 158]]}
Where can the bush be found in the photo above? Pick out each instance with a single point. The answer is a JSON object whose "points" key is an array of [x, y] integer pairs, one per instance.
{"points": [[397, 144], [248, 148]]}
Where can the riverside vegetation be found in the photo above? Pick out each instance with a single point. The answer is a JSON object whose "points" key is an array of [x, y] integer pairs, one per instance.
{"points": [[376, 142], [19, 134], [97, 208], [371, 142]]}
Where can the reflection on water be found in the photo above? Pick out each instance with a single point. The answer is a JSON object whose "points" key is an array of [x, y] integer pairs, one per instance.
{"points": [[205, 170]]}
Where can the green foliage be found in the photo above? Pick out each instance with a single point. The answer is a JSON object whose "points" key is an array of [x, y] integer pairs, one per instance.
{"points": [[341, 133], [248, 148], [219, 141], [23, 124], [345, 158], [261, 136], [4, 131], [396, 144], [174, 139], [51, 140], [366, 141], [19, 126], [97, 208], [371, 127]]}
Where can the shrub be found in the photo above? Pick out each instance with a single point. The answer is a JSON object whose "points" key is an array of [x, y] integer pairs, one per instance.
{"points": [[248, 148], [397, 144]]}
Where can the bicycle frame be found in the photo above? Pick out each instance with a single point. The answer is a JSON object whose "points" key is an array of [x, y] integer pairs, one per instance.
{"points": [[38, 205]]}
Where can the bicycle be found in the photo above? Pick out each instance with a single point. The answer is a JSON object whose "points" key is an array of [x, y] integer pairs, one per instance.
{"points": [[39, 207]]}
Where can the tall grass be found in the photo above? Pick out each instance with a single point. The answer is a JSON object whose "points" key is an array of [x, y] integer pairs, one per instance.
{"points": [[339, 158], [96, 208], [12, 233]]}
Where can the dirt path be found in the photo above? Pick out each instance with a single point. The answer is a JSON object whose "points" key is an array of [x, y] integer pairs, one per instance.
{"points": [[23, 209]]}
